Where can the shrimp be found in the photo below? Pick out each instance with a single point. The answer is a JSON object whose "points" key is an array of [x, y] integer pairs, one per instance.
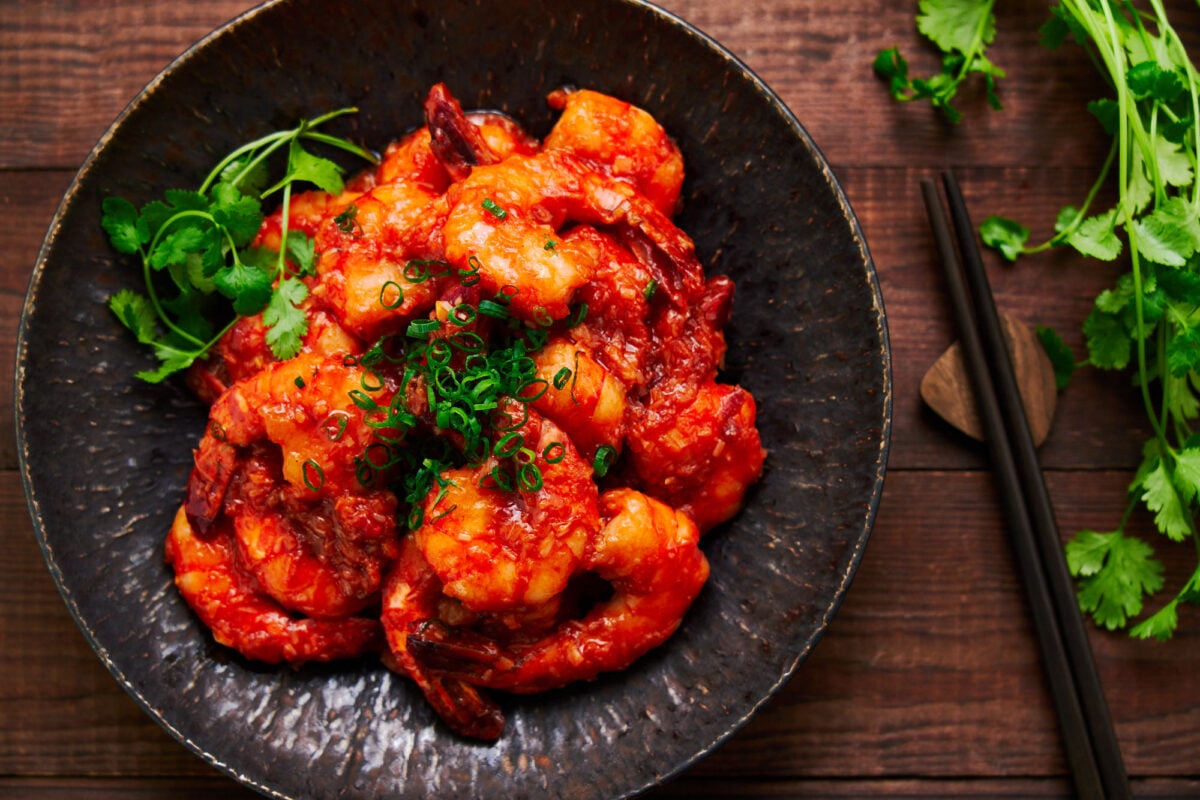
{"points": [[411, 598], [240, 616], [625, 140], [322, 414], [323, 558], [615, 308], [364, 275], [498, 549], [243, 352], [701, 456], [507, 220], [646, 550], [582, 397]]}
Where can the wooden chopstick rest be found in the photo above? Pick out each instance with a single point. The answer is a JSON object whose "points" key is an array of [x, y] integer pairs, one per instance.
{"points": [[946, 387]]}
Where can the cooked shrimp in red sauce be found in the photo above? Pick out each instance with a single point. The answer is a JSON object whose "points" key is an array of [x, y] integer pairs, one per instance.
{"points": [[494, 457]]}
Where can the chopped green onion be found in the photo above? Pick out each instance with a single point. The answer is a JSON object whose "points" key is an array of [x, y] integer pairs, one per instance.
{"points": [[299, 382], [649, 291], [394, 304], [418, 270], [489, 205], [374, 385], [490, 308], [463, 314], [508, 445], [378, 463], [605, 456], [420, 328], [500, 479], [310, 467], [362, 400], [578, 317], [471, 276], [529, 478], [554, 452], [335, 425], [561, 377], [345, 221]]}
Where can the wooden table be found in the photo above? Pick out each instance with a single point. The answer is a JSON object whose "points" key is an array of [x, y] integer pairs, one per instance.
{"points": [[928, 682]]}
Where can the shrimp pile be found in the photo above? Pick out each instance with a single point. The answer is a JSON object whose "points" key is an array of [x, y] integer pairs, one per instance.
{"points": [[493, 460]]}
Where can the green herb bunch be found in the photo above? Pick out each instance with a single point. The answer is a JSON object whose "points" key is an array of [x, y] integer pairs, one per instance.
{"points": [[200, 272], [1149, 320]]}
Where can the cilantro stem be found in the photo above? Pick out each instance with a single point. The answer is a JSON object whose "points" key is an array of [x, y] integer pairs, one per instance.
{"points": [[261, 147]]}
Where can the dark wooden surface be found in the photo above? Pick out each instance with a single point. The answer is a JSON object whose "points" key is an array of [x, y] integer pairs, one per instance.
{"points": [[928, 682]]}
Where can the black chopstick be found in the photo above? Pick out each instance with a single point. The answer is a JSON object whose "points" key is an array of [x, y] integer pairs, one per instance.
{"points": [[1089, 739]]}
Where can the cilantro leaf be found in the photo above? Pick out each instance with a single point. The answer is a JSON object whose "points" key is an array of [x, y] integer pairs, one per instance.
{"points": [[893, 68], [304, 166], [1160, 625], [1173, 163], [1109, 343], [955, 24], [1005, 235], [1149, 80], [1108, 113], [1162, 241], [286, 322], [1097, 237], [240, 215], [136, 313], [174, 247], [1061, 357], [1160, 496], [1116, 573], [247, 285], [302, 250], [1183, 352], [1187, 473], [126, 229]]}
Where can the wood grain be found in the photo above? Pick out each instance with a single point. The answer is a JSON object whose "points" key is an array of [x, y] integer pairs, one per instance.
{"points": [[928, 682]]}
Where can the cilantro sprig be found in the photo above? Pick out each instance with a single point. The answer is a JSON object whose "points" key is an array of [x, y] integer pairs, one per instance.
{"points": [[199, 270], [1149, 320], [962, 31]]}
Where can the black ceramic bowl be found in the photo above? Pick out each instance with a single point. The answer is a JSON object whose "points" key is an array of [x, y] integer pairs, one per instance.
{"points": [[105, 457]]}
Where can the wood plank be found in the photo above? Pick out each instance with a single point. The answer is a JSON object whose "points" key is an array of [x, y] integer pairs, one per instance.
{"points": [[68, 68], [927, 601], [28, 200], [52, 48]]}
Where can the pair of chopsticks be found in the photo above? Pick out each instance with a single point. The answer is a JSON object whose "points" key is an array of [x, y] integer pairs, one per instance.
{"points": [[1088, 735]]}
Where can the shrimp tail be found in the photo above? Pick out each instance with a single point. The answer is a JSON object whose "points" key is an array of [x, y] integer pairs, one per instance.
{"points": [[461, 653], [213, 470], [454, 139], [458, 702]]}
